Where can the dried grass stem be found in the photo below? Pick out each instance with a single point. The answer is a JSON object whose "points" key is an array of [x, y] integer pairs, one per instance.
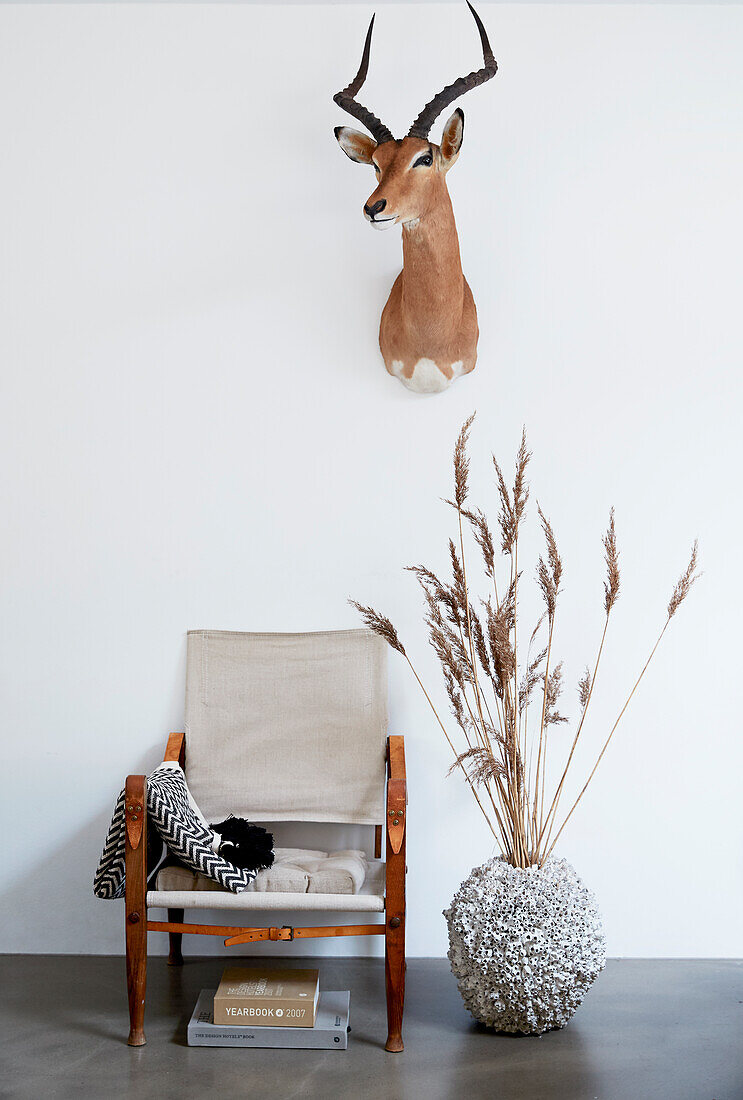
{"points": [[479, 654]]}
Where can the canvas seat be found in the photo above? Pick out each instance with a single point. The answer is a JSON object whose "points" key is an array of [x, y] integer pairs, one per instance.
{"points": [[186, 891], [299, 879], [282, 728]]}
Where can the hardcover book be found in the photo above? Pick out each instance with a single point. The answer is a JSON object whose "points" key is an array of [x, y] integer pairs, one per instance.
{"points": [[329, 1033], [263, 997]]}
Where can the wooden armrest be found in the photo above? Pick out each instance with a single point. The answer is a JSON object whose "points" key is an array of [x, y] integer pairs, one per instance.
{"points": [[396, 757], [397, 792], [176, 748]]}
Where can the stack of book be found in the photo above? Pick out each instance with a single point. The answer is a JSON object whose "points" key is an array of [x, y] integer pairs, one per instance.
{"points": [[260, 1007]]}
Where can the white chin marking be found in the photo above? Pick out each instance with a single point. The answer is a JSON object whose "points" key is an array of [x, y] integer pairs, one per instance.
{"points": [[382, 225], [426, 377]]}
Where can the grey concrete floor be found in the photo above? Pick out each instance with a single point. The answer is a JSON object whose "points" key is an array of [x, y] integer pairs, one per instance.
{"points": [[648, 1029]]}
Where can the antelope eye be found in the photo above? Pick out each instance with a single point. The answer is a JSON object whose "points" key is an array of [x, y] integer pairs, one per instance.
{"points": [[424, 162]]}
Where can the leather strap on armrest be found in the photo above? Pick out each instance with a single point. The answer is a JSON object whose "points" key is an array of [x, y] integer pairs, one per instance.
{"points": [[134, 808], [397, 792]]}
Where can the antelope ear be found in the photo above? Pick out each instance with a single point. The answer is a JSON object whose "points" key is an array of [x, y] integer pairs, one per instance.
{"points": [[357, 146], [451, 139]]}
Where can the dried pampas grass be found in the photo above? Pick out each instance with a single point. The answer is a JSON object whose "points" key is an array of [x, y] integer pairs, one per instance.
{"points": [[491, 687]]}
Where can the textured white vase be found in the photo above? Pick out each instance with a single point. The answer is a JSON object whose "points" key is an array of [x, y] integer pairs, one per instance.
{"points": [[524, 945]]}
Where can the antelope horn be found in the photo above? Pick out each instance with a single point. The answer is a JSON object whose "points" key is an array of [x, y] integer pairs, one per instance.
{"points": [[346, 99], [432, 110]]}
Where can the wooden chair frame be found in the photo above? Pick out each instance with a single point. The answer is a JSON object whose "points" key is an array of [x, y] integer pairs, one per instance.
{"points": [[138, 924]]}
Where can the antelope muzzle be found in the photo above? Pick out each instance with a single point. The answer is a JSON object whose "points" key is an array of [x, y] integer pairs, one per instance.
{"points": [[378, 215]]}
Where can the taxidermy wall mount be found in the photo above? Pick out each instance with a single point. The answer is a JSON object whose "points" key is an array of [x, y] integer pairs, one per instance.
{"points": [[428, 332]]}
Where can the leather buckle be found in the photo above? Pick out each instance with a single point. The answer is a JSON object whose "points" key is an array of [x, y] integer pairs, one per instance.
{"points": [[286, 932]]}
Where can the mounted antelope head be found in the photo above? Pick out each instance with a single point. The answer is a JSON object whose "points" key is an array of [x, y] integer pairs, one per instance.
{"points": [[428, 333]]}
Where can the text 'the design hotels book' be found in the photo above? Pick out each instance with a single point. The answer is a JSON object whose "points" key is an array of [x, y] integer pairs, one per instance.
{"points": [[329, 1033]]}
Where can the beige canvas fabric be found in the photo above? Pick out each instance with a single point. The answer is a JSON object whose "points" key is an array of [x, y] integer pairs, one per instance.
{"points": [[295, 871], [370, 898], [287, 727]]}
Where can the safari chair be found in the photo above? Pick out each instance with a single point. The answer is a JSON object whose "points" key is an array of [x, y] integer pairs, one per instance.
{"points": [[279, 728]]}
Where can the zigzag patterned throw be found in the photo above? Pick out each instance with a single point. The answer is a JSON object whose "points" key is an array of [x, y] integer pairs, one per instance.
{"points": [[185, 835]]}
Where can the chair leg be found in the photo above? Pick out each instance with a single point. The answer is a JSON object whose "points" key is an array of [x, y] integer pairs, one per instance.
{"points": [[394, 972], [136, 978], [175, 957], [395, 872], [135, 906]]}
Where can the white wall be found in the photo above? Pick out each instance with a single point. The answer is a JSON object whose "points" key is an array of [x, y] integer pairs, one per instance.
{"points": [[198, 431]]}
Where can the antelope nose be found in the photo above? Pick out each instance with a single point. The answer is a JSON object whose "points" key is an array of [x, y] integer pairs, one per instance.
{"points": [[377, 208]]}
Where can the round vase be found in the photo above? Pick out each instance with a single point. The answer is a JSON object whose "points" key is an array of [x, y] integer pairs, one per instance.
{"points": [[524, 945]]}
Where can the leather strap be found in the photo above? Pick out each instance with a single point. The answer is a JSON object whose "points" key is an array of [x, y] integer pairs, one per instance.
{"points": [[252, 935], [396, 812], [134, 809]]}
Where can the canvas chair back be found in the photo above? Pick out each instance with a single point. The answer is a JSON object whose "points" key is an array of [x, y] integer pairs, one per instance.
{"points": [[287, 727]]}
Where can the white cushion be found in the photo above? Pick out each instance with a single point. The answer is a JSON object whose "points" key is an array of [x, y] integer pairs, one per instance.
{"points": [[294, 871]]}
